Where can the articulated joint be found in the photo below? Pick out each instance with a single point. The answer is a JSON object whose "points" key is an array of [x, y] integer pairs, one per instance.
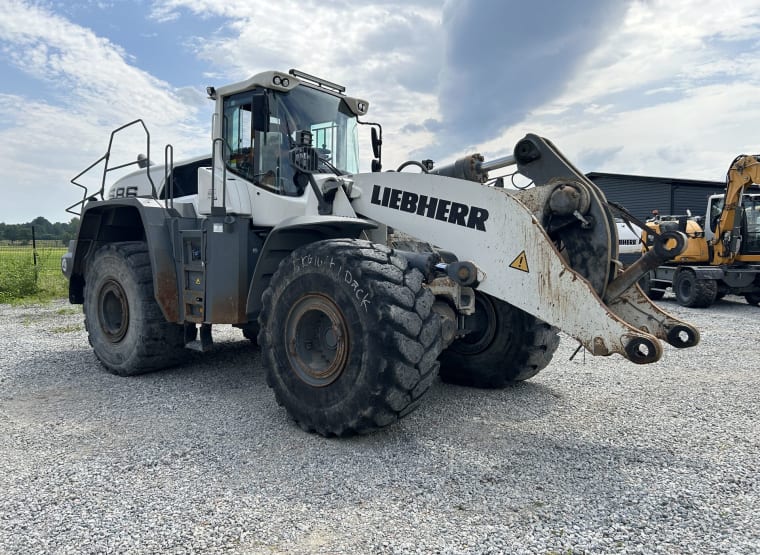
{"points": [[565, 200], [462, 298], [642, 350], [682, 336], [464, 273], [527, 150]]}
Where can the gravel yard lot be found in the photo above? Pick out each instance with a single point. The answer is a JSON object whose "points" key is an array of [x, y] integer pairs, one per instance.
{"points": [[590, 456]]}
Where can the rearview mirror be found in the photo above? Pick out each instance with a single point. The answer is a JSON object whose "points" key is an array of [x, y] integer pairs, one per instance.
{"points": [[376, 143]]}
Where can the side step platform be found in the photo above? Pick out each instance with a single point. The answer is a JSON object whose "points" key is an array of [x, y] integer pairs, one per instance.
{"points": [[194, 290]]}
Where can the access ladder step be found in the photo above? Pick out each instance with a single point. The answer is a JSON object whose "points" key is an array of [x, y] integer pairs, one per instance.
{"points": [[204, 342]]}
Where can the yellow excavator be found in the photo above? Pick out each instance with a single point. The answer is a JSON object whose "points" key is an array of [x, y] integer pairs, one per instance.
{"points": [[723, 256]]}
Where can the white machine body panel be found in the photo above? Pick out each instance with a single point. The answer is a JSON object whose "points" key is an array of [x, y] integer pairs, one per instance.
{"points": [[493, 229], [266, 208]]}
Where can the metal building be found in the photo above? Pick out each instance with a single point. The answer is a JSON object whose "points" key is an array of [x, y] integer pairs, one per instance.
{"points": [[642, 194]]}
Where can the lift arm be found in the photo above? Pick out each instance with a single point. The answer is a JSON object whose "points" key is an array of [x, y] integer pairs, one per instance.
{"points": [[550, 251]]}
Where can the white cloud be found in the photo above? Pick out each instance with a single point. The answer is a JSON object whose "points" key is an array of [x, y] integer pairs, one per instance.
{"points": [[386, 52], [672, 43], [87, 87], [672, 92], [661, 88]]}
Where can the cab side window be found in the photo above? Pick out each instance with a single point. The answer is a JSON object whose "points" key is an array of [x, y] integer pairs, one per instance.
{"points": [[260, 157], [238, 135], [716, 207]]}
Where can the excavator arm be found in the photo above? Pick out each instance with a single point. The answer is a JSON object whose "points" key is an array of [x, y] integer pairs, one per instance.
{"points": [[744, 172]]}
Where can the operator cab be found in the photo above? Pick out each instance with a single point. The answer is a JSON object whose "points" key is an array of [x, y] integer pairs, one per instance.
{"points": [[748, 217], [261, 126]]}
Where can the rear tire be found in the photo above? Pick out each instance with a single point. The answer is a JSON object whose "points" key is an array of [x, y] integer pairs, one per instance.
{"points": [[126, 327], [693, 292], [505, 346], [348, 337], [752, 298]]}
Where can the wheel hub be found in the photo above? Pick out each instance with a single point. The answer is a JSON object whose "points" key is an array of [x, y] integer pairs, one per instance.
{"points": [[481, 328], [113, 311], [316, 335]]}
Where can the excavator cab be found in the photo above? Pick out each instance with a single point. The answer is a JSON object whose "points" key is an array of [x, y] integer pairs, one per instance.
{"points": [[748, 217], [750, 225]]}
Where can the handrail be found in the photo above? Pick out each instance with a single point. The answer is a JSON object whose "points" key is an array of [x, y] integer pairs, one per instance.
{"points": [[169, 177], [84, 196], [106, 157], [223, 207]]}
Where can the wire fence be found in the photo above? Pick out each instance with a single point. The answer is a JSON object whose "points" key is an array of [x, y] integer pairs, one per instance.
{"points": [[42, 255], [29, 266]]}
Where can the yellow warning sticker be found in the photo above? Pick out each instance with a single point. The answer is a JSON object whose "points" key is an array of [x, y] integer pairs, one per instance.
{"points": [[520, 263]]}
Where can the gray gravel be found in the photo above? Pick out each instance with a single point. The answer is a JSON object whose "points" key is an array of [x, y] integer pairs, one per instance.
{"points": [[594, 456]]}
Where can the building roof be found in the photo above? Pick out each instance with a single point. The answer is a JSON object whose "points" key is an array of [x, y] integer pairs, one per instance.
{"points": [[651, 179]]}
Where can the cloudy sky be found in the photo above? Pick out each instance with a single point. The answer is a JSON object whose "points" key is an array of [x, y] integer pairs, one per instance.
{"points": [[651, 87]]}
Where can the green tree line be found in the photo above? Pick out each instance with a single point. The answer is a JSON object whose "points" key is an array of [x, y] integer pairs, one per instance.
{"points": [[43, 229]]}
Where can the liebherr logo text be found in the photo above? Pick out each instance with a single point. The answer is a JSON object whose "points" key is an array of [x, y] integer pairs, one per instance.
{"points": [[432, 207]]}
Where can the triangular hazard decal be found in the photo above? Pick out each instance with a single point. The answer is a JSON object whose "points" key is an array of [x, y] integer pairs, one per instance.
{"points": [[520, 263]]}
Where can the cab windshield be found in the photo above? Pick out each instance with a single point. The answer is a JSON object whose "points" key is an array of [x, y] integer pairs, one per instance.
{"points": [[262, 157]]}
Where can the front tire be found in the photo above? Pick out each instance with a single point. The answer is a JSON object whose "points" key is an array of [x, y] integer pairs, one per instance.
{"points": [[125, 325], [752, 298], [505, 345], [348, 337], [693, 292]]}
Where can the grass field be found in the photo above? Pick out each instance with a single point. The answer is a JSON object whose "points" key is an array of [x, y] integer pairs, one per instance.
{"points": [[23, 281]]}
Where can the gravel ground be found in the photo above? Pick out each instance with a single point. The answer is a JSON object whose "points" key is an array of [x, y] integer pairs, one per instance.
{"points": [[590, 456]]}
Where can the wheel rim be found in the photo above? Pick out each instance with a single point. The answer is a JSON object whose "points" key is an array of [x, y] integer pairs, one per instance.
{"points": [[113, 311], [317, 339], [482, 325]]}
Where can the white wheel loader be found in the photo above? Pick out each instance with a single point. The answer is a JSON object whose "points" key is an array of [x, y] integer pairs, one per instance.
{"points": [[359, 287]]}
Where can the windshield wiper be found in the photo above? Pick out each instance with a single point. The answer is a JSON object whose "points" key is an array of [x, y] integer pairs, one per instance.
{"points": [[332, 168]]}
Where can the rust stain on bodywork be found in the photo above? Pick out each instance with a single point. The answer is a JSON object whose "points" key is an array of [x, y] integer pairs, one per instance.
{"points": [[166, 294]]}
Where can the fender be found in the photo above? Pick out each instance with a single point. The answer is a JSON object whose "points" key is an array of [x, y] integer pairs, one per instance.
{"points": [[708, 272], [288, 236], [127, 219]]}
